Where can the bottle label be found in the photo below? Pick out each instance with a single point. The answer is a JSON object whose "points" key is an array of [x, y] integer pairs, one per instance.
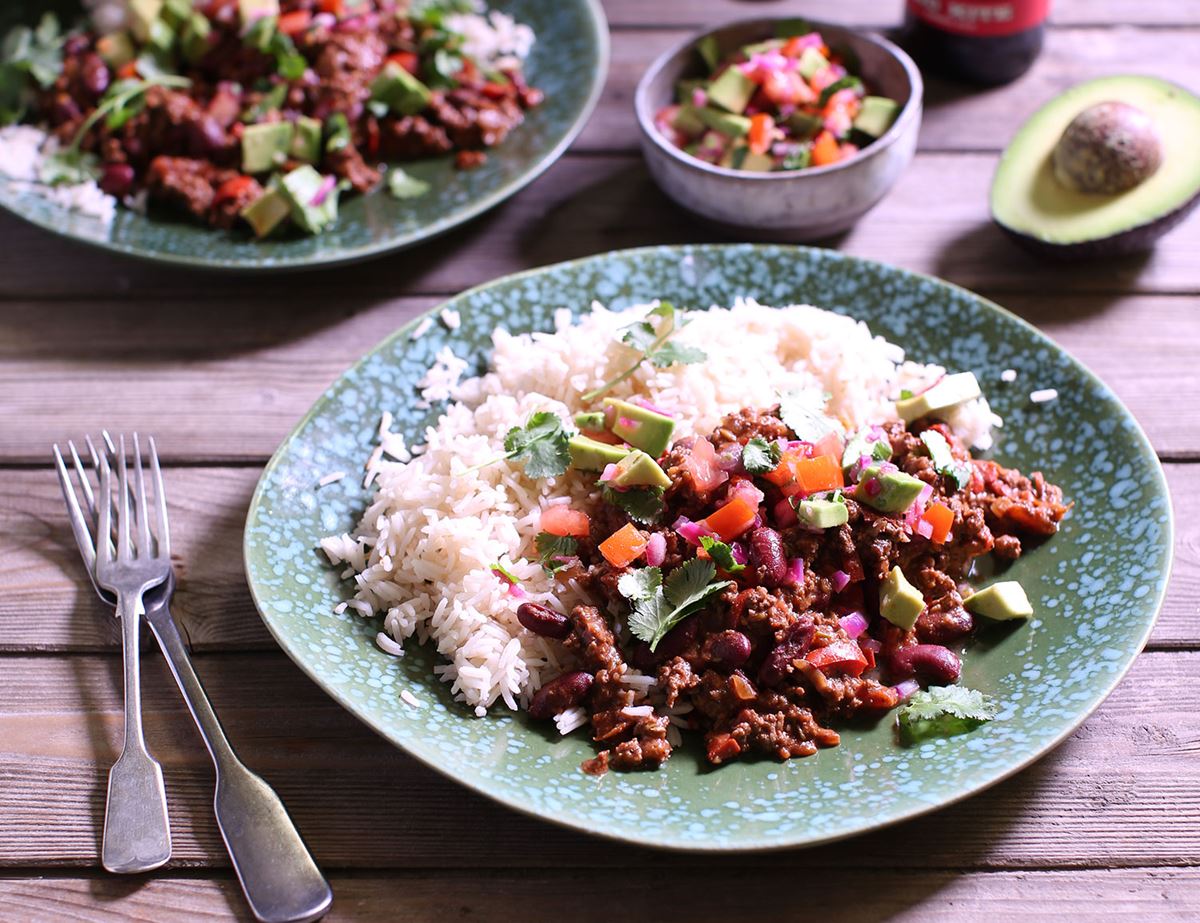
{"points": [[981, 18]]}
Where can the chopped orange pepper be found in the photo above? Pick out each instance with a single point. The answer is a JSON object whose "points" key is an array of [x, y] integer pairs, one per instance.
{"points": [[624, 546], [825, 150], [762, 129], [406, 59], [784, 472], [941, 517], [128, 70], [821, 473], [295, 22], [336, 7], [793, 47], [731, 520]]}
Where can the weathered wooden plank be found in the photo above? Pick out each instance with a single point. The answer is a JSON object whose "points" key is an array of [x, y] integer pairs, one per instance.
{"points": [[361, 803], [48, 605], [957, 117], [845, 896], [886, 13], [935, 221]]}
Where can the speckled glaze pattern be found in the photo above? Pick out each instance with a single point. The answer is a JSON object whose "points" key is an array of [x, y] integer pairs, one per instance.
{"points": [[1096, 586], [795, 205], [569, 62]]}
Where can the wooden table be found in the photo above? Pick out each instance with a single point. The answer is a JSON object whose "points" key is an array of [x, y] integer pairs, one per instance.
{"points": [[1107, 826]]}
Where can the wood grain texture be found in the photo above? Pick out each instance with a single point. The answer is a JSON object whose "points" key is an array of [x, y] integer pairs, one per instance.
{"points": [[847, 896], [217, 383], [362, 803], [935, 220], [49, 606]]}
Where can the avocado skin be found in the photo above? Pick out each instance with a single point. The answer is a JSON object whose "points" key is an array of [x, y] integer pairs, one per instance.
{"points": [[1137, 239]]}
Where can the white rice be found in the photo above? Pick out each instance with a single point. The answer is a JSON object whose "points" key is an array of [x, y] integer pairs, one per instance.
{"points": [[570, 719], [451, 318], [495, 39], [1008, 375], [331, 478], [1044, 395], [422, 553], [410, 699], [421, 329], [23, 148]]}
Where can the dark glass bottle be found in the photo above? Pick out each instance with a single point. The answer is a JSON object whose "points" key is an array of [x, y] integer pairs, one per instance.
{"points": [[988, 42]]}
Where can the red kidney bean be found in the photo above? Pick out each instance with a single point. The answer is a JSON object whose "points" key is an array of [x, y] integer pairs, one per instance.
{"points": [[942, 626], [93, 73], [117, 179], [65, 109], [679, 639], [728, 650], [931, 662], [562, 692], [643, 658], [206, 136], [767, 555], [544, 621], [779, 663]]}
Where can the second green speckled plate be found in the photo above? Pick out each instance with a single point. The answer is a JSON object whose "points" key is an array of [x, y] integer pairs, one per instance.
{"points": [[1097, 585], [569, 62]]}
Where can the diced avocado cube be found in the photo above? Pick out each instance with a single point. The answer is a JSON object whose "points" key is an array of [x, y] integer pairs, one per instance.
{"points": [[687, 121], [876, 115], [249, 11], [637, 469], [685, 90], [267, 212], [771, 44], [899, 601], [301, 187], [116, 49], [802, 125], [265, 146], [726, 123], [306, 140], [592, 455], [194, 40], [811, 62], [757, 163], [142, 15], [399, 90], [709, 51], [731, 90], [593, 422], [734, 156], [859, 445], [822, 514], [176, 12], [640, 427], [896, 490], [1002, 601], [162, 37], [951, 390]]}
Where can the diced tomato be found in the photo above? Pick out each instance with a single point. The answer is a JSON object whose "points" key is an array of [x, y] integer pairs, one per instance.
{"points": [[406, 59], [825, 150], [787, 88], [232, 188], [731, 520], [869, 653], [941, 518], [624, 546], [295, 22], [829, 444], [722, 747], [823, 78], [562, 520], [372, 132], [841, 656], [762, 133], [336, 7], [793, 47], [128, 70], [701, 464]]}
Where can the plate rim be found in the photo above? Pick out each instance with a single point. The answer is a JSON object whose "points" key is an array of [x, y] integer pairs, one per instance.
{"points": [[414, 238], [761, 844]]}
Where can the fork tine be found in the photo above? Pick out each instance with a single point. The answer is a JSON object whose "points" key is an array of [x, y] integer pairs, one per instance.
{"points": [[79, 525], [108, 443], [143, 520], [160, 500], [85, 485], [96, 467], [124, 546], [106, 510]]}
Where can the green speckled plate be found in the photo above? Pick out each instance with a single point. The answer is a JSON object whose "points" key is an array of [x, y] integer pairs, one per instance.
{"points": [[569, 62], [1097, 585]]}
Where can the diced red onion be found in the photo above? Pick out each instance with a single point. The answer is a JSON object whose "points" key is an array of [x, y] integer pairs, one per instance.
{"points": [[656, 549], [729, 457], [925, 528], [630, 424], [744, 489], [323, 190], [785, 515], [920, 391], [324, 20], [690, 532], [840, 580], [516, 590], [795, 572], [912, 516], [738, 550], [870, 644], [809, 40], [609, 473], [699, 98], [906, 688], [799, 445], [642, 402], [853, 624]]}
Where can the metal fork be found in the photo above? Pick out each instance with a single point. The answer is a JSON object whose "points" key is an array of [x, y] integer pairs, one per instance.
{"points": [[278, 875]]}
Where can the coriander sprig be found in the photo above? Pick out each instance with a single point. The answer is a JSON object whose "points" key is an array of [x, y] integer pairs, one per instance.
{"points": [[652, 342], [541, 445]]}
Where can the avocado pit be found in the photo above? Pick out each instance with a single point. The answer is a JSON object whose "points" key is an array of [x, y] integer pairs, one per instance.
{"points": [[1109, 148]]}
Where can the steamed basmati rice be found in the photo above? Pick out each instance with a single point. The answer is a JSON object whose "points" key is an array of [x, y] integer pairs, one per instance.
{"points": [[423, 551], [23, 148]]}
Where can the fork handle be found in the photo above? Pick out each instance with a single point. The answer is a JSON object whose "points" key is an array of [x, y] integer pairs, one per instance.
{"points": [[277, 872], [137, 834]]}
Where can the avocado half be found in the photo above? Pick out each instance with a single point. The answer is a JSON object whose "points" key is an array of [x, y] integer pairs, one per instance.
{"points": [[1042, 214]]}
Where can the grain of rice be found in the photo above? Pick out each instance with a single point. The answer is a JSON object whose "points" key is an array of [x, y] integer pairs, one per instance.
{"points": [[332, 478], [421, 329], [387, 645], [637, 711], [410, 699], [571, 719], [451, 318], [1008, 375], [1044, 395]]}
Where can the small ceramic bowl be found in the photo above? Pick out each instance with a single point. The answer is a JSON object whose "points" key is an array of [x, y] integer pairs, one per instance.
{"points": [[794, 205]]}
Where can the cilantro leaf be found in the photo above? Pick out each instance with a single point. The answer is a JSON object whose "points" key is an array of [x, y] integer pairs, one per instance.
{"points": [[552, 548], [650, 340], [905, 394], [657, 606], [943, 711], [642, 504], [541, 445], [28, 58], [795, 410], [760, 456], [721, 553], [68, 167], [404, 185], [943, 459]]}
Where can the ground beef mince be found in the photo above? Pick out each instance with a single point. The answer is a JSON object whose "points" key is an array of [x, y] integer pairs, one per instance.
{"points": [[779, 656], [182, 145]]}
